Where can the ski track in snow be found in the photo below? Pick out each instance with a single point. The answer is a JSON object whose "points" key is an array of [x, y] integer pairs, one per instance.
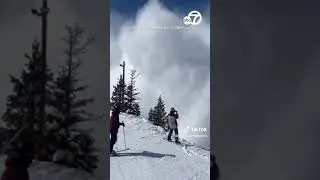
{"points": [[150, 157]]}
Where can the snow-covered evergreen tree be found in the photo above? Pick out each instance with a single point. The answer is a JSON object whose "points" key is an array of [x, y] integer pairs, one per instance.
{"points": [[131, 95], [159, 113], [21, 115], [151, 115], [117, 92], [70, 145], [136, 109]]}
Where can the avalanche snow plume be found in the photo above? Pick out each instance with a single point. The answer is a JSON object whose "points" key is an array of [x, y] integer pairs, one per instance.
{"points": [[172, 63], [143, 154]]}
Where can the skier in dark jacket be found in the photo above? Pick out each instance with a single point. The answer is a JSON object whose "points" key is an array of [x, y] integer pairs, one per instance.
{"points": [[173, 125], [17, 163], [114, 126]]}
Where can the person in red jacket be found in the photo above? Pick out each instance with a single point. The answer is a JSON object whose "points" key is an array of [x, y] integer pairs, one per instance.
{"points": [[114, 126], [17, 163]]}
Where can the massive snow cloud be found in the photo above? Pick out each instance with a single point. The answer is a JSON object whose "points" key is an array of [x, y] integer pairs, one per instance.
{"points": [[171, 63]]}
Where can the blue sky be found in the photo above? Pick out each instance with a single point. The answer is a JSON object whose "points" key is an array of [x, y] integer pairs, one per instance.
{"points": [[132, 6]]}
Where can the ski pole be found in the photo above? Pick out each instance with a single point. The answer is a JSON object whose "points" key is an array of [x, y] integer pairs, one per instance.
{"points": [[124, 137]]}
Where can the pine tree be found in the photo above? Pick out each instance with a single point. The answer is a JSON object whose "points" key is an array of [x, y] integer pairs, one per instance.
{"points": [[136, 109], [151, 115], [23, 105], [131, 95], [117, 92], [159, 113], [69, 145]]}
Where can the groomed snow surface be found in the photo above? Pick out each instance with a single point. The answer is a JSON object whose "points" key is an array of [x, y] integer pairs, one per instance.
{"points": [[151, 157]]}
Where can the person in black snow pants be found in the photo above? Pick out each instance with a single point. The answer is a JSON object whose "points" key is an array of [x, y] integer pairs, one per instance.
{"points": [[114, 126], [173, 125]]}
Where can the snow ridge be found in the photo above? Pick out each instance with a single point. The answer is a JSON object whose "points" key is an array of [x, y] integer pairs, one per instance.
{"points": [[152, 157]]}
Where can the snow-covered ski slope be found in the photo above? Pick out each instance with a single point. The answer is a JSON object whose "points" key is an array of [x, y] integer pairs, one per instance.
{"points": [[150, 157]]}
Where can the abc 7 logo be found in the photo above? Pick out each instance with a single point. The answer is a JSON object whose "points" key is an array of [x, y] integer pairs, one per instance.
{"points": [[193, 18]]}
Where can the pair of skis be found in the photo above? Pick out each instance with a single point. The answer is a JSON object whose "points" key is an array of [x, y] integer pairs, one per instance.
{"points": [[115, 153]]}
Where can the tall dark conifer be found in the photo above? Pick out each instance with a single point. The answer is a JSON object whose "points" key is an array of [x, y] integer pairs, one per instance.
{"points": [[70, 145], [23, 104], [117, 92], [131, 96], [159, 113]]}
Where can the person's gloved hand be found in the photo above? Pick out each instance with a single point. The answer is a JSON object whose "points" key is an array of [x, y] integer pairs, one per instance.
{"points": [[122, 124]]}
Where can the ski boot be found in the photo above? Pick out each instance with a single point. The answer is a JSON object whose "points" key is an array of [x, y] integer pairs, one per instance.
{"points": [[113, 153], [177, 140]]}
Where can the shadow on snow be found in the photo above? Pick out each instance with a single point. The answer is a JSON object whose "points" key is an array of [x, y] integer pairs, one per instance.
{"points": [[146, 154]]}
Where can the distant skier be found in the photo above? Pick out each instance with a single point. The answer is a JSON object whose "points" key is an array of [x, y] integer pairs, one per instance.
{"points": [[17, 163], [114, 126], [173, 125]]}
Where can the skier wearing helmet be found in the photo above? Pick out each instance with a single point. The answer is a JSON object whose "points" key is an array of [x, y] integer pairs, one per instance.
{"points": [[173, 125]]}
